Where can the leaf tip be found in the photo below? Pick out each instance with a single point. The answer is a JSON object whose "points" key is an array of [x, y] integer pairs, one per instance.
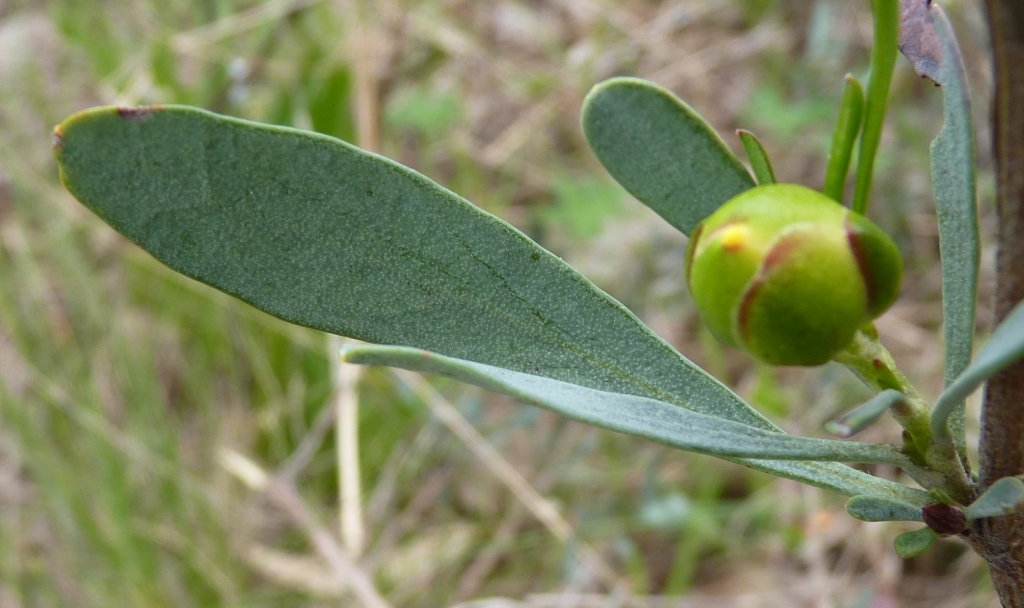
{"points": [[58, 137]]}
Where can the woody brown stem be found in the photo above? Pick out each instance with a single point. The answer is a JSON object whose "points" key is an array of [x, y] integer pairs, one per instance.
{"points": [[1000, 540]]}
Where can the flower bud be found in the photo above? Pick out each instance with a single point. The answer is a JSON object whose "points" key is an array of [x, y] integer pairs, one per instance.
{"points": [[789, 275]]}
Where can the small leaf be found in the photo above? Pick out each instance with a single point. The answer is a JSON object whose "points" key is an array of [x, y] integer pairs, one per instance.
{"points": [[851, 110], [864, 416], [1004, 348], [1003, 497], [655, 420], [915, 542], [758, 157], [953, 181], [661, 151], [874, 508]]}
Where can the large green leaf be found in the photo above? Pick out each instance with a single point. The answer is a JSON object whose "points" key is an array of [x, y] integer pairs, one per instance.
{"points": [[661, 151], [651, 419], [953, 181], [323, 234]]}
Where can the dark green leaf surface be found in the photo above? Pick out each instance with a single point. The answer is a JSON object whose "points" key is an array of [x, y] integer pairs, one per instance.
{"points": [[1001, 498], [953, 181], [1004, 348], [874, 508], [661, 151], [651, 419], [915, 542]]}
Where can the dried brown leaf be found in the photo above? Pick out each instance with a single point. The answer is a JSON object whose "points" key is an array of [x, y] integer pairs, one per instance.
{"points": [[919, 40]]}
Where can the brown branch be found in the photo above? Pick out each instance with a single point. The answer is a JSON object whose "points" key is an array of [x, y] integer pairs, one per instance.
{"points": [[1002, 432], [1000, 540]]}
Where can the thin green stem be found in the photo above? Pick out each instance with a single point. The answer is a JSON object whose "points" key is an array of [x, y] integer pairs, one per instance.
{"points": [[883, 61], [851, 111], [935, 455]]}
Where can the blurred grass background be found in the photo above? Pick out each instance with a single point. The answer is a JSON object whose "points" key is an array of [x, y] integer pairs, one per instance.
{"points": [[131, 398]]}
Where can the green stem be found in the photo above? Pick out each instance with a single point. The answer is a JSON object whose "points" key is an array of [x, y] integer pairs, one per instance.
{"points": [[874, 364], [883, 61], [851, 110]]}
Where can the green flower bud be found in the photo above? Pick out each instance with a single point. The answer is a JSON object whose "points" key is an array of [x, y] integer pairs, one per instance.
{"points": [[788, 275]]}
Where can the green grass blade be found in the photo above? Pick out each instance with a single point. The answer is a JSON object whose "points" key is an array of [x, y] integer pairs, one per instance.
{"points": [[851, 111], [322, 234], [873, 508], [661, 151], [655, 420], [954, 184], [883, 61], [1005, 347], [758, 157], [1003, 497]]}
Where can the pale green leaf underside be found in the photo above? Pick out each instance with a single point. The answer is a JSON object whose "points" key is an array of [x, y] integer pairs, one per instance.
{"points": [[873, 508], [1004, 348], [661, 151], [325, 235], [953, 181], [662, 422], [1003, 497], [915, 542]]}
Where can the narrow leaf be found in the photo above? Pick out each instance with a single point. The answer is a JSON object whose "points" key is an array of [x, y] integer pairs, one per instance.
{"points": [[322, 234], [662, 422], [661, 151], [953, 181], [851, 110], [1004, 348], [915, 542], [874, 508], [865, 415], [758, 157], [1003, 497], [883, 61]]}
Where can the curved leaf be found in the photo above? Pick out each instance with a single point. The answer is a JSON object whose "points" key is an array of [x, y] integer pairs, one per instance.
{"points": [[915, 542], [873, 508], [1004, 348], [758, 157], [325, 235], [1003, 497], [661, 150], [662, 422]]}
